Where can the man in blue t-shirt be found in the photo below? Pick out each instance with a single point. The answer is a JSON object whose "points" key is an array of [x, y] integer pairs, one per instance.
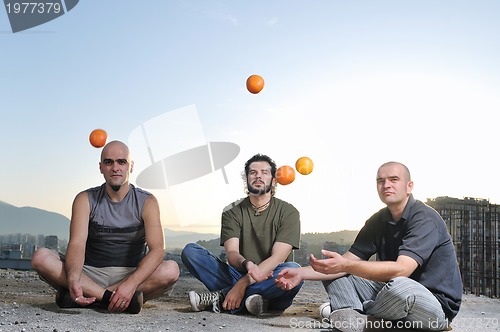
{"points": [[415, 279]]}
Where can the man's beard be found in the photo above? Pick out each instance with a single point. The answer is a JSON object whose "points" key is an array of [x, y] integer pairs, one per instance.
{"points": [[257, 191], [116, 187]]}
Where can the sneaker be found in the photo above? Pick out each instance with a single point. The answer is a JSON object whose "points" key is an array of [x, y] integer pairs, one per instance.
{"points": [[64, 300], [136, 303], [202, 301], [325, 310], [348, 320], [255, 304]]}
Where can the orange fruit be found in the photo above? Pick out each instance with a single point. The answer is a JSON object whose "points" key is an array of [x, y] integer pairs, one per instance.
{"points": [[304, 165], [285, 175], [98, 138], [255, 84]]}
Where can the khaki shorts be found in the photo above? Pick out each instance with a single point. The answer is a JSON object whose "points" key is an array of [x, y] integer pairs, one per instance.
{"points": [[107, 276]]}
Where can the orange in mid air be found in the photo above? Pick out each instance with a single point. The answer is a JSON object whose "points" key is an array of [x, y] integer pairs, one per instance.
{"points": [[98, 138], [255, 84], [304, 165], [285, 175]]}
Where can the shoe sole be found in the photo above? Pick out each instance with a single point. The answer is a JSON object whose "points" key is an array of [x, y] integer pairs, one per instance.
{"points": [[325, 310], [192, 300], [255, 306]]}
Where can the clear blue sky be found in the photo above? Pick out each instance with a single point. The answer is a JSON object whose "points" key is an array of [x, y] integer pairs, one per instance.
{"points": [[351, 84]]}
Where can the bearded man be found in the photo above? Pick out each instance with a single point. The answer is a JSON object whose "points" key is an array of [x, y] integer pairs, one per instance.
{"points": [[258, 233]]}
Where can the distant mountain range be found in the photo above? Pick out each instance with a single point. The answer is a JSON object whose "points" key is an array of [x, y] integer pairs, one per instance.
{"points": [[30, 220]]}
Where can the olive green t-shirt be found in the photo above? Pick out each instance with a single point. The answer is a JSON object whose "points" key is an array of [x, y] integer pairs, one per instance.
{"points": [[280, 222]]}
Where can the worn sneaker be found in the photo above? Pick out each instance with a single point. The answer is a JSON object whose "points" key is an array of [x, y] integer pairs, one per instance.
{"points": [[255, 304], [325, 310], [348, 320], [64, 300], [202, 301]]}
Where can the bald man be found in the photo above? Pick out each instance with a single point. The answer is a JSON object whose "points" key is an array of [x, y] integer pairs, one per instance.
{"points": [[415, 281], [115, 251]]}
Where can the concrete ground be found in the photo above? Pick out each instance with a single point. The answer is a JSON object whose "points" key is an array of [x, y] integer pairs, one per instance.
{"points": [[27, 304]]}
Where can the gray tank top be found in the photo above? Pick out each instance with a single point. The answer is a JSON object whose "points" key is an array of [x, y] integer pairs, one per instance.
{"points": [[116, 230]]}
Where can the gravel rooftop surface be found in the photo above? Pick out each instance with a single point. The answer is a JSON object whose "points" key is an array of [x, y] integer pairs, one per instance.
{"points": [[27, 304]]}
